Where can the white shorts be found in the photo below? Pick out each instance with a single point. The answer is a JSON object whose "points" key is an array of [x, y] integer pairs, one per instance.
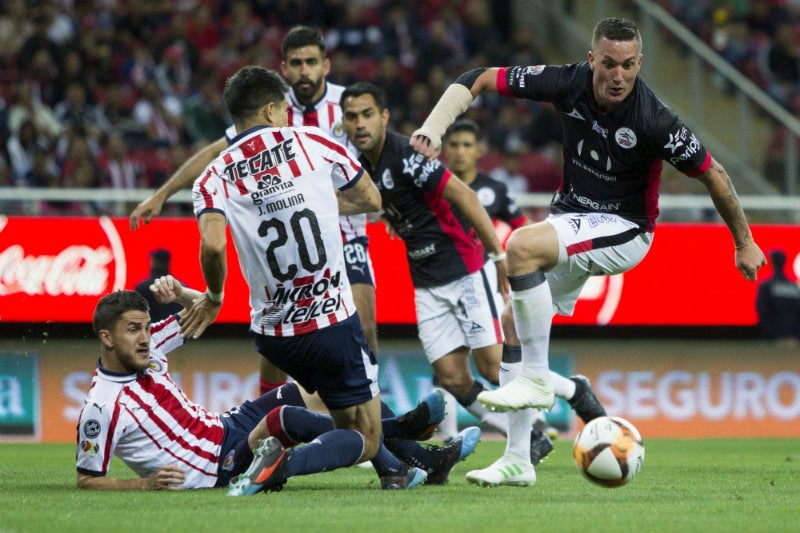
{"points": [[591, 244], [465, 312]]}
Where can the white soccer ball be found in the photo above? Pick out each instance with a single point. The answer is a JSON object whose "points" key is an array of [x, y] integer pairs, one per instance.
{"points": [[608, 451]]}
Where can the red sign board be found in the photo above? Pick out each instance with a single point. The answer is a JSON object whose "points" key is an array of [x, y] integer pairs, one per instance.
{"points": [[54, 270]]}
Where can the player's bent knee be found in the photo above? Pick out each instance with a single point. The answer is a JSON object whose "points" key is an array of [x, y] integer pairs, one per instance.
{"points": [[371, 445]]}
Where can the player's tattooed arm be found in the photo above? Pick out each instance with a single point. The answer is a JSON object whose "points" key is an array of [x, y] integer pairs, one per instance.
{"points": [[749, 257]]}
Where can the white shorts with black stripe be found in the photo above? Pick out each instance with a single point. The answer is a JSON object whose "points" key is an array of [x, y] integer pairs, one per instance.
{"points": [[465, 312], [592, 244]]}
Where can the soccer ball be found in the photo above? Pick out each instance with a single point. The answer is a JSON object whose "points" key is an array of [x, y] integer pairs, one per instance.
{"points": [[608, 451]]}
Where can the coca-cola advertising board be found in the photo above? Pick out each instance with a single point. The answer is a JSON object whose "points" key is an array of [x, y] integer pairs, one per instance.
{"points": [[54, 270]]}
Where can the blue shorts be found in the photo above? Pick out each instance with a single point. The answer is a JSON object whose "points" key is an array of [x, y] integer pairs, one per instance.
{"points": [[335, 362], [357, 261], [237, 425]]}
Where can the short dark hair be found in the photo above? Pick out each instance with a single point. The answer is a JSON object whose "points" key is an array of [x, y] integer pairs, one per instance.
{"points": [[250, 89], [361, 88], [112, 306], [616, 29], [463, 124], [301, 36]]}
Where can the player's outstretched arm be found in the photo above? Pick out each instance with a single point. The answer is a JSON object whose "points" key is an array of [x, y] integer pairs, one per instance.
{"points": [[213, 262], [456, 99], [169, 477], [151, 207], [749, 257]]}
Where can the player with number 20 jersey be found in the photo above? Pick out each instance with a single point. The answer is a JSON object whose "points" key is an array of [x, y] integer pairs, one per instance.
{"points": [[275, 188]]}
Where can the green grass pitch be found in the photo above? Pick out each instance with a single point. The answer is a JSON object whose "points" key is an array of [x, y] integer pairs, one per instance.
{"points": [[684, 486]]}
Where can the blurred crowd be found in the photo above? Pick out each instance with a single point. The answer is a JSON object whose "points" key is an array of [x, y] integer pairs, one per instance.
{"points": [[118, 93], [761, 38]]}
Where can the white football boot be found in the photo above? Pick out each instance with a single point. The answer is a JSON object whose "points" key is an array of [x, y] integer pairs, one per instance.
{"points": [[512, 470], [520, 393]]}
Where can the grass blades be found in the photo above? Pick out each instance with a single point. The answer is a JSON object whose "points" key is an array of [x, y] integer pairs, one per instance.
{"points": [[684, 486]]}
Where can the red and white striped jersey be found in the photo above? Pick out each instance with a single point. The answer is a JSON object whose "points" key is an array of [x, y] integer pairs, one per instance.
{"points": [[146, 420], [276, 187], [326, 114]]}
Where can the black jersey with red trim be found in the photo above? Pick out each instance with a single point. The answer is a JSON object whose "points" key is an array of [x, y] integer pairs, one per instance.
{"points": [[440, 245], [612, 161], [495, 198]]}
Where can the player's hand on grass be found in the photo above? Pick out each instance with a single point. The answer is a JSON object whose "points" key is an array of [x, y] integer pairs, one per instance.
{"points": [[169, 477]]}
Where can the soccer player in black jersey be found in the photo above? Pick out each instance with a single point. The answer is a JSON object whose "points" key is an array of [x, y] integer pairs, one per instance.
{"points": [[461, 149], [617, 134], [442, 224], [457, 292]]}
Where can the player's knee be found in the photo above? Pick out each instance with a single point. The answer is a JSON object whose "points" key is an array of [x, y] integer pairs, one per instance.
{"points": [[455, 384], [516, 247]]}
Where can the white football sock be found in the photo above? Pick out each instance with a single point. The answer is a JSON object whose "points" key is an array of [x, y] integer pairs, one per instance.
{"points": [[533, 315], [518, 439], [497, 420], [562, 387]]}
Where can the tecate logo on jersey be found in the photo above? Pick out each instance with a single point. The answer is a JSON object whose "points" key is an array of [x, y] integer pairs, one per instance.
{"points": [[68, 270]]}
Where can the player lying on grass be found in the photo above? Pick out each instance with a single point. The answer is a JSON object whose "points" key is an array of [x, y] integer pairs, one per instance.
{"points": [[134, 410]]}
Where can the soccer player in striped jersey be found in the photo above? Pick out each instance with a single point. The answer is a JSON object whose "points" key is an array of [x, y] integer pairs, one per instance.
{"points": [[134, 410], [280, 190], [313, 101]]}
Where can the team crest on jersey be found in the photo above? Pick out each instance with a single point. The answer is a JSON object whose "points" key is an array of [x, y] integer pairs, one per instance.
{"points": [[625, 138], [535, 70], [338, 130], [91, 428], [156, 367], [386, 179], [89, 448], [486, 196]]}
